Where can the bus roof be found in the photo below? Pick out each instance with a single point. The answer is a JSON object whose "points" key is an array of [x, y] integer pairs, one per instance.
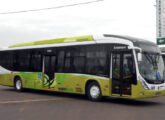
{"points": [[132, 39], [54, 41], [82, 40]]}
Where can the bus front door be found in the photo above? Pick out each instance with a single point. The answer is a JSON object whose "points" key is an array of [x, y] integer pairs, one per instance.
{"points": [[49, 71], [122, 73]]}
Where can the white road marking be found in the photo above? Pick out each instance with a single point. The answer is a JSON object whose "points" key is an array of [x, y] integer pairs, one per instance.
{"points": [[28, 101]]}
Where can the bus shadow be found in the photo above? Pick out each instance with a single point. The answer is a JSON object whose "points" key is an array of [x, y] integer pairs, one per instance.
{"points": [[50, 93], [122, 101], [131, 102]]}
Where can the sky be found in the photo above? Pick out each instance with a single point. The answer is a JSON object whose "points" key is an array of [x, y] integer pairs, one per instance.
{"points": [[135, 18]]}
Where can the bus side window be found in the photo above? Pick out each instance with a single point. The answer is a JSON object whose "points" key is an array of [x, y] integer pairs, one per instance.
{"points": [[79, 64], [78, 59], [6, 60], [60, 61], [74, 60], [36, 62], [96, 62]]}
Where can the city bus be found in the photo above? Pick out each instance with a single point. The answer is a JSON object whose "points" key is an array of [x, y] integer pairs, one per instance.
{"points": [[96, 66]]}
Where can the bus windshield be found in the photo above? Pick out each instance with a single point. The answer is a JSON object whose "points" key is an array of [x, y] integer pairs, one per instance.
{"points": [[152, 68]]}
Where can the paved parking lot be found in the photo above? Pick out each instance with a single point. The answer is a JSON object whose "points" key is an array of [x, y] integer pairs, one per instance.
{"points": [[41, 105]]}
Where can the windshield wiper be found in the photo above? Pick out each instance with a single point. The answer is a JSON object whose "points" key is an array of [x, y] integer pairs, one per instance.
{"points": [[149, 58], [153, 59]]}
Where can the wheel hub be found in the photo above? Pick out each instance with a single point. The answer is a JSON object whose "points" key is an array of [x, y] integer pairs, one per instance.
{"points": [[18, 84], [95, 91]]}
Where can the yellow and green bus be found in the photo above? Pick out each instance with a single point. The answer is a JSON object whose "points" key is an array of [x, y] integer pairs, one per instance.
{"points": [[96, 66]]}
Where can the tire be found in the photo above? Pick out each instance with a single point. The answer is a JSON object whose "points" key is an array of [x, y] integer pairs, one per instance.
{"points": [[18, 85], [94, 92]]}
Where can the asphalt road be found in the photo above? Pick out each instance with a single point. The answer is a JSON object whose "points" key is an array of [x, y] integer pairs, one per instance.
{"points": [[41, 105]]}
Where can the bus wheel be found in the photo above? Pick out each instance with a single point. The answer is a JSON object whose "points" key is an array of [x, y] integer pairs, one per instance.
{"points": [[94, 91], [18, 84]]}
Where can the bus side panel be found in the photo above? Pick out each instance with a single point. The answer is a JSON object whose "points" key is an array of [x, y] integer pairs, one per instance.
{"points": [[39, 80], [31, 80], [69, 83], [75, 83], [6, 79]]}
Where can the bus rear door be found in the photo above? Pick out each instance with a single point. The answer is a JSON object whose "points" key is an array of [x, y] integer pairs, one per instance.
{"points": [[49, 71]]}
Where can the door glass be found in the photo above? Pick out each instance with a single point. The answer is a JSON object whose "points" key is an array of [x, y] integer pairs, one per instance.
{"points": [[49, 70], [127, 73], [53, 60], [46, 64], [116, 58]]}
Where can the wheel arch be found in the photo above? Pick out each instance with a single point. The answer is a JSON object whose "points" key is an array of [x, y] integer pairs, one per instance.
{"points": [[15, 77], [92, 80]]}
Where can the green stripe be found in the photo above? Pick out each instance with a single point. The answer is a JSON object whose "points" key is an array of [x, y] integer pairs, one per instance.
{"points": [[54, 41]]}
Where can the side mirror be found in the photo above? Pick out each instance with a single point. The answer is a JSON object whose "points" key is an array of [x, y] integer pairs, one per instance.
{"points": [[139, 57]]}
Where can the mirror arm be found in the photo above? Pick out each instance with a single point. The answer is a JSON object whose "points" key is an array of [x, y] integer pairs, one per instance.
{"points": [[135, 48]]}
